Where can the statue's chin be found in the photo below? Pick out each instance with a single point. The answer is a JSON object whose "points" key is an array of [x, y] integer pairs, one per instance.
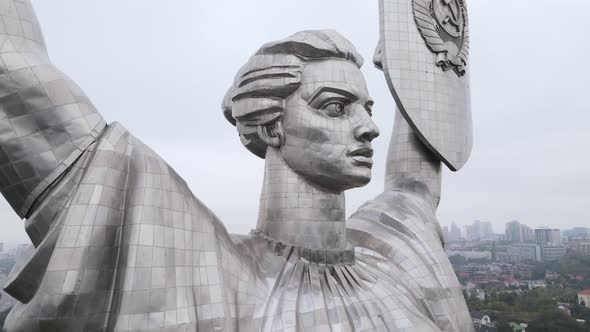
{"points": [[339, 184], [359, 181], [358, 176]]}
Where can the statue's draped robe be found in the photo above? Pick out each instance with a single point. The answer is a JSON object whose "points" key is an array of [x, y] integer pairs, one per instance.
{"points": [[123, 245]]}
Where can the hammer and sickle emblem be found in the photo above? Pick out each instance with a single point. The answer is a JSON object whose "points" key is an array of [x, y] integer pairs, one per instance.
{"points": [[454, 14]]}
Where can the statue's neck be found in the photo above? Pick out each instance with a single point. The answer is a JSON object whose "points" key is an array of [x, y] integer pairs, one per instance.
{"points": [[410, 161], [296, 213]]}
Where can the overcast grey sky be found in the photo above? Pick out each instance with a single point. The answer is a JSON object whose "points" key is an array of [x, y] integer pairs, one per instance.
{"points": [[161, 68]]}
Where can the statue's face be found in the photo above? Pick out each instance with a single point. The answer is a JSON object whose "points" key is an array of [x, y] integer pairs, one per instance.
{"points": [[328, 127]]}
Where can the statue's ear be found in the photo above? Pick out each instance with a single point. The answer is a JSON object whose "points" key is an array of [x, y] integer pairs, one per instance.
{"points": [[272, 134]]}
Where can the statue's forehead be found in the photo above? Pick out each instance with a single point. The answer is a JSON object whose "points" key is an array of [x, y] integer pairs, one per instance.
{"points": [[336, 73]]}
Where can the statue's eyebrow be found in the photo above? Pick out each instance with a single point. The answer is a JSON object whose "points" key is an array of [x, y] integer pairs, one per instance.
{"points": [[331, 89]]}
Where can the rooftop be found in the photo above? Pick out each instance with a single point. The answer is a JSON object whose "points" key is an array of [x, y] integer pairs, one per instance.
{"points": [[585, 292], [477, 315]]}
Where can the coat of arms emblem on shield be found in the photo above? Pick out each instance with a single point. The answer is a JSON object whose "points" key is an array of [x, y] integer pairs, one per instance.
{"points": [[444, 27]]}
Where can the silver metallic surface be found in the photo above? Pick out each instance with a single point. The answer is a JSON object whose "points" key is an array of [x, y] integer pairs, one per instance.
{"points": [[122, 244], [46, 121], [417, 51]]}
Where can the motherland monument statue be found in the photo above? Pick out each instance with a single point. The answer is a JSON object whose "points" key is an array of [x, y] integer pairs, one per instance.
{"points": [[122, 244]]}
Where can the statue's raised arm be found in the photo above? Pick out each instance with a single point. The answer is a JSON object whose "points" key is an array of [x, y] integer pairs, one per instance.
{"points": [[424, 57], [423, 51], [46, 121]]}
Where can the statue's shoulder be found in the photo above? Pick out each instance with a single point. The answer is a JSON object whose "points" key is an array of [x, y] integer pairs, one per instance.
{"points": [[395, 217], [155, 190], [397, 233], [400, 204], [141, 159]]}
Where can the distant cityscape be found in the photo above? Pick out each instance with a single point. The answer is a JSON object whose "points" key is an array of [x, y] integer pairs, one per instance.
{"points": [[522, 261], [519, 242]]}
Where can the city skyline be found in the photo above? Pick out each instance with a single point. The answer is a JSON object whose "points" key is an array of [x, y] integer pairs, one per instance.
{"points": [[465, 228], [500, 224]]}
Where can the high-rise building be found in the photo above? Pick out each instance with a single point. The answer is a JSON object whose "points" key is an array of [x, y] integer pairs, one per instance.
{"points": [[487, 230], [468, 233], [580, 247], [479, 230], [552, 251], [513, 231], [454, 234], [528, 235], [526, 251], [547, 235], [517, 232], [520, 252]]}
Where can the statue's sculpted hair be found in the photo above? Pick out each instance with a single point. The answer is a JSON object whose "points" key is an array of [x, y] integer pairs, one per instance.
{"points": [[257, 96]]}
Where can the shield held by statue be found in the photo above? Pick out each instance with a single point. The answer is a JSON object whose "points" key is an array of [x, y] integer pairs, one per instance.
{"points": [[424, 53]]}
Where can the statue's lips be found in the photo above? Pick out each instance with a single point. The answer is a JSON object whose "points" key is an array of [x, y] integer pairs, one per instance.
{"points": [[362, 157]]}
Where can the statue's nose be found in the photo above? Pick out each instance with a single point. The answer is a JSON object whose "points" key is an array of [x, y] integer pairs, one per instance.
{"points": [[366, 133], [378, 56]]}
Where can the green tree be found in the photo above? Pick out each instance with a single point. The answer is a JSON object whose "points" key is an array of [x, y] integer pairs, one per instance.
{"points": [[508, 298], [580, 311], [556, 320], [503, 327]]}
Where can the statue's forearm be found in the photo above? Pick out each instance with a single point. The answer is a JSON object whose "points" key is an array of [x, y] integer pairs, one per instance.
{"points": [[46, 120], [19, 23], [410, 162]]}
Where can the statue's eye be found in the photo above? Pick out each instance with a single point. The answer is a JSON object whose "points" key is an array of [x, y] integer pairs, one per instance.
{"points": [[334, 109]]}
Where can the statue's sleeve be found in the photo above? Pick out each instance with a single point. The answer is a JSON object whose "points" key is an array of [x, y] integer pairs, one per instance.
{"points": [[46, 120], [400, 226]]}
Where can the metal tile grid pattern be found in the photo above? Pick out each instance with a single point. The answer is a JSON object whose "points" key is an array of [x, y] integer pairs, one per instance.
{"points": [[389, 229], [123, 244], [168, 270], [131, 250], [284, 193], [310, 291], [409, 159], [159, 261], [46, 121], [436, 103], [277, 102]]}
